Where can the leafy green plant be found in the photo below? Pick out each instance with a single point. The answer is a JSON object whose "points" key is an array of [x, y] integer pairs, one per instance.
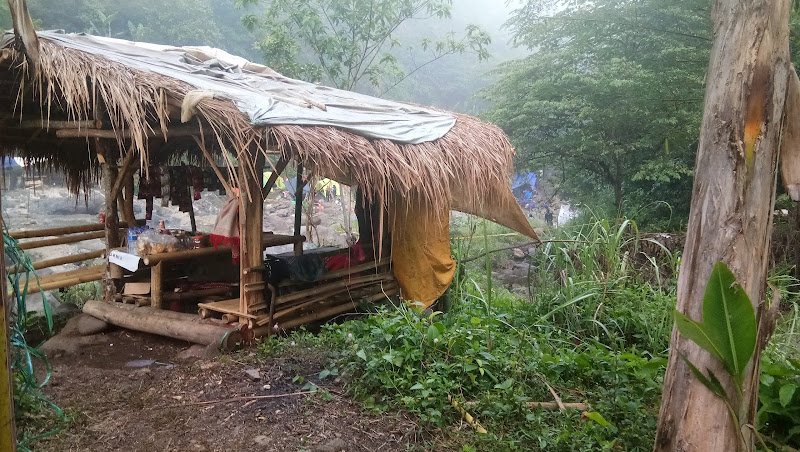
{"points": [[779, 398], [28, 398], [728, 330]]}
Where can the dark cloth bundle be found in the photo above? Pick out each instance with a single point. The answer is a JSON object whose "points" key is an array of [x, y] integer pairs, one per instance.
{"points": [[307, 268]]}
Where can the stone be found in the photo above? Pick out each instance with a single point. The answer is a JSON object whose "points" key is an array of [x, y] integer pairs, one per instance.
{"points": [[316, 221], [193, 353], [88, 325], [519, 254], [253, 374], [262, 441], [61, 344], [334, 445]]}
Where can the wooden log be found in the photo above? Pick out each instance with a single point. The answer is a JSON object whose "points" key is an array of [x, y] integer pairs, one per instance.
{"points": [[152, 259], [177, 325], [65, 230], [62, 260], [156, 280], [73, 238]]}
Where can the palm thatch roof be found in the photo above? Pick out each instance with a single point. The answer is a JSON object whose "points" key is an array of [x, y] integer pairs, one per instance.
{"points": [[140, 108]]}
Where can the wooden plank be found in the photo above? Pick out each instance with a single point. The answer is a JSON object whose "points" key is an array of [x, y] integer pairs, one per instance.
{"points": [[226, 307]]}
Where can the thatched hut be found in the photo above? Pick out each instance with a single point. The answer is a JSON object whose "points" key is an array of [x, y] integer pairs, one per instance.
{"points": [[103, 109]]}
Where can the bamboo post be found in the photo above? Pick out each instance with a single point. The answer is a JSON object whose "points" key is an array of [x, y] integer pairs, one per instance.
{"points": [[156, 279], [251, 212], [7, 434], [298, 209]]}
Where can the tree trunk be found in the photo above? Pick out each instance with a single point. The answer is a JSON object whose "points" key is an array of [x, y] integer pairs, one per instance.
{"points": [[731, 212]]}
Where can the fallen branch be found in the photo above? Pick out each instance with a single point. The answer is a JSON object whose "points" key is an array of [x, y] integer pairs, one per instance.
{"points": [[548, 405], [238, 399]]}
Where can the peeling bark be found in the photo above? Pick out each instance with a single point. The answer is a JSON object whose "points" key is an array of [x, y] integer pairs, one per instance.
{"points": [[731, 212]]}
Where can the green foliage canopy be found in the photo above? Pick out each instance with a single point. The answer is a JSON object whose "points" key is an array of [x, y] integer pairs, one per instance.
{"points": [[348, 43], [610, 97]]}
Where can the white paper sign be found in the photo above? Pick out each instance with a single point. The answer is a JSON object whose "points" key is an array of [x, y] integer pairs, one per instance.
{"points": [[127, 261]]}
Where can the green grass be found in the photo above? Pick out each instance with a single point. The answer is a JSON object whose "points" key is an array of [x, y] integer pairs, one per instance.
{"points": [[595, 328]]}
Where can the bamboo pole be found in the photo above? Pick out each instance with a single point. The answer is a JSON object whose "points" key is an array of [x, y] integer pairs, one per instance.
{"points": [[251, 216], [156, 279], [62, 240], [64, 230], [54, 124], [173, 132], [8, 435], [298, 208], [332, 287], [152, 259], [61, 283], [62, 260]]}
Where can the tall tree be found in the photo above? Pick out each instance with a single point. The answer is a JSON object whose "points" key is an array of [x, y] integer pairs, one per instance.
{"points": [[731, 215], [610, 95], [351, 44]]}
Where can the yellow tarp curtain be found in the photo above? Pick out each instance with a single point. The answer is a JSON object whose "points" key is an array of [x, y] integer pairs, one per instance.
{"points": [[421, 256]]}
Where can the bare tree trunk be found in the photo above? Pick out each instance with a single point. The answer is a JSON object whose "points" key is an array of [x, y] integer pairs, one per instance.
{"points": [[731, 212]]}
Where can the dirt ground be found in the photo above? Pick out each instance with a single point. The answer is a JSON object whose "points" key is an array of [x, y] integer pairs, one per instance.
{"points": [[130, 392]]}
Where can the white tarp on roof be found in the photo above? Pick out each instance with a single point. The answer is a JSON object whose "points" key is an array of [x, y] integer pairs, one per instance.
{"points": [[265, 96]]}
